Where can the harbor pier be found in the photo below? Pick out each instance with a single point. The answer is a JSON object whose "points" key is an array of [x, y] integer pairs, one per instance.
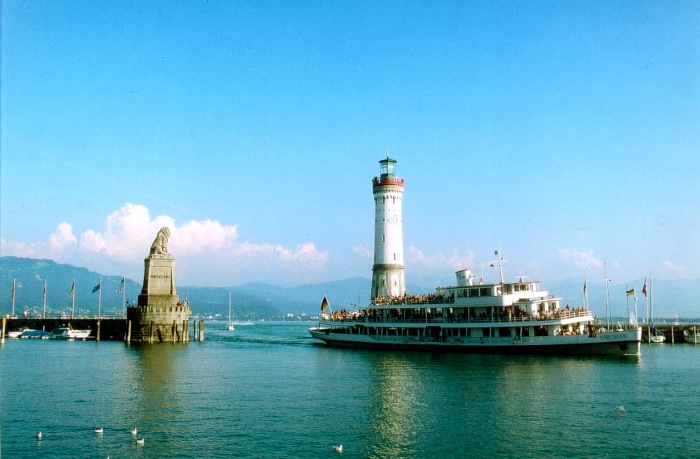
{"points": [[102, 328]]}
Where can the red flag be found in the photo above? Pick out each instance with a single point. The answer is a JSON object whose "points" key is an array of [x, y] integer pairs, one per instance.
{"points": [[324, 304], [644, 289]]}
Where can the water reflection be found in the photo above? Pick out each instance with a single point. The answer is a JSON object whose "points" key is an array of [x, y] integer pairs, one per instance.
{"points": [[395, 410]]}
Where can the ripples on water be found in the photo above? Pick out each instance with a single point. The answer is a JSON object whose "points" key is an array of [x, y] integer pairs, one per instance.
{"points": [[270, 390]]}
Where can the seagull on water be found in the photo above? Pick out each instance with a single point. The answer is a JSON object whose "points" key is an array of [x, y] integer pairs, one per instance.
{"points": [[141, 441], [620, 409], [100, 431], [338, 449], [39, 436], [134, 432]]}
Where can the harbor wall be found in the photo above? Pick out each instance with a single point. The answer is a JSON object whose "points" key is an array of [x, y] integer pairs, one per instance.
{"points": [[109, 329]]}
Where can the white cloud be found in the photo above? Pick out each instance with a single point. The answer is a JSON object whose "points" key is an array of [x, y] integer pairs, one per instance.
{"points": [[427, 264], [585, 260], [363, 251], [208, 252], [677, 269]]}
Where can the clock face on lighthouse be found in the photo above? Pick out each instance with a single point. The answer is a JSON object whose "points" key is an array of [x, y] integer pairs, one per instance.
{"points": [[393, 219]]}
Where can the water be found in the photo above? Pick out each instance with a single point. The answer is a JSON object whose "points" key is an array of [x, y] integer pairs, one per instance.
{"points": [[270, 390]]}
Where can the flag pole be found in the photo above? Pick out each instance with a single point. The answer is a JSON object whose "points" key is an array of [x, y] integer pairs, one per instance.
{"points": [[72, 296], [43, 311], [99, 299], [14, 291], [123, 287]]}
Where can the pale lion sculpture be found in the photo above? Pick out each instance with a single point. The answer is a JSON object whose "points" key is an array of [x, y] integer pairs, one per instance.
{"points": [[160, 244]]}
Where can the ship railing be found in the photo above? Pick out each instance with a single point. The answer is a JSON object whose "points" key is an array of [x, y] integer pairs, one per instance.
{"points": [[540, 317]]}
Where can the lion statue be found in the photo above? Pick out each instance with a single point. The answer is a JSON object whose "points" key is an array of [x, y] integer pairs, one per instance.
{"points": [[160, 244]]}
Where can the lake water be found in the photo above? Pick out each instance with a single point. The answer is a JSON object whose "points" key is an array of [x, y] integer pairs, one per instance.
{"points": [[269, 390]]}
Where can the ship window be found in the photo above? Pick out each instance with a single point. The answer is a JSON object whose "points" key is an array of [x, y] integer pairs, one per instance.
{"points": [[485, 292]]}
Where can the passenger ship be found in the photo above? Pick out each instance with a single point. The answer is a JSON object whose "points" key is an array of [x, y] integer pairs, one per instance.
{"points": [[507, 318]]}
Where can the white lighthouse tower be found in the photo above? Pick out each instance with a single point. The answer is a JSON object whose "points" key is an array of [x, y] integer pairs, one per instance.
{"points": [[388, 271]]}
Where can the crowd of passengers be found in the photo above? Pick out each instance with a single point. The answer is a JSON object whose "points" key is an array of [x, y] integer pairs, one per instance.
{"points": [[428, 298], [502, 315]]}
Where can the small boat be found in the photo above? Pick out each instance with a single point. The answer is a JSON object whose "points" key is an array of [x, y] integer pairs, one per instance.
{"points": [[692, 336], [35, 334], [18, 333], [657, 336], [229, 327], [69, 333]]}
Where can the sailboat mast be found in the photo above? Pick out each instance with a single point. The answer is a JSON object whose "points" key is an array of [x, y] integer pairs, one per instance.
{"points": [[607, 296], [627, 304]]}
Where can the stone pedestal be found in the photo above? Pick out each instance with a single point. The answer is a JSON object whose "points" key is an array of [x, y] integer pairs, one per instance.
{"points": [[160, 315]]}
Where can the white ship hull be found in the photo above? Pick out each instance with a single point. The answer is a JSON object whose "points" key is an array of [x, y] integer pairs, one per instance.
{"points": [[625, 342]]}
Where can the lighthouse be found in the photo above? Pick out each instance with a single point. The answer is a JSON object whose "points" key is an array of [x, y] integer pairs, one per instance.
{"points": [[388, 271]]}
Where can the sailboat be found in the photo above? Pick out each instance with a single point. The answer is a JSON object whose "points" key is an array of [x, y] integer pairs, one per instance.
{"points": [[655, 336], [229, 327]]}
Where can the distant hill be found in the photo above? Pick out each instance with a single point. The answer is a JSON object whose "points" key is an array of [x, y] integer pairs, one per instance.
{"points": [[672, 299]]}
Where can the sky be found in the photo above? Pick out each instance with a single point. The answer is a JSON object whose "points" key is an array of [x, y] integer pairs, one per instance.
{"points": [[567, 133]]}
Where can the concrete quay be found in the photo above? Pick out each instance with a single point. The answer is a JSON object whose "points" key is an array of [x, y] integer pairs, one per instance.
{"points": [[107, 329]]}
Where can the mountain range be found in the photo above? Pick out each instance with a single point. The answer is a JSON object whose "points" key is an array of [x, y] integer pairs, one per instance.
{"points": [[673, 299]]}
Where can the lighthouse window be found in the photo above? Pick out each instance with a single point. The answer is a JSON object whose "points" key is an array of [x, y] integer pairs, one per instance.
{"points": [[383, 237], [394, 256]]}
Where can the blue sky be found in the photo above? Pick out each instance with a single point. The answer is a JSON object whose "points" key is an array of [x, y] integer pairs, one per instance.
{"points": [[565, 132]]}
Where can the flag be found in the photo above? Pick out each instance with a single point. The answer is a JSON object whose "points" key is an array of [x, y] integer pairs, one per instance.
{"points": [[44, 291], [644, 289], [630, 291], [121, 285], [72, 291], [13, 290], [324, 304], [97, 287], [585, 286]]}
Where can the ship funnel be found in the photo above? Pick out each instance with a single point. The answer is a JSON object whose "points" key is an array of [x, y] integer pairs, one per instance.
{"points": [[464, 278]]}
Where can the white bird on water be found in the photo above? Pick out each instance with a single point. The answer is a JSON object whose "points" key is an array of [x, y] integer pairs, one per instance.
{"points": [[338, 449], [100, 431], [134, 432], [39, 436], [620, 409], [141, 441]]}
